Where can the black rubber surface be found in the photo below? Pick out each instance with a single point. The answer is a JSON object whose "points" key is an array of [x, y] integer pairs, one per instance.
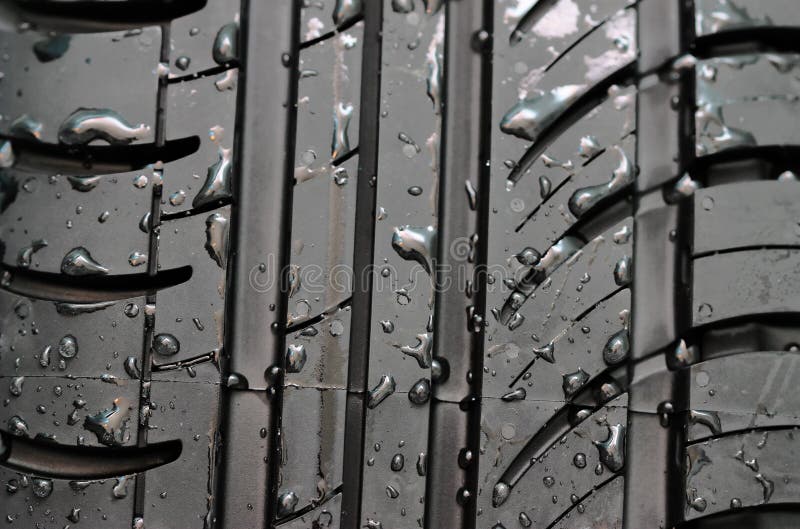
{"points": [[399, 264]]}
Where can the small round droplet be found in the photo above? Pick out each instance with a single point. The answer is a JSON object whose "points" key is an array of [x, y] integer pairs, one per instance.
{"points": [[704, 311], [420, 392], [579, 460], [415, 191], [140, 181], [41, 487], [166, 344], [131, 310], [68, 346], [183, 62], [397, 462]]}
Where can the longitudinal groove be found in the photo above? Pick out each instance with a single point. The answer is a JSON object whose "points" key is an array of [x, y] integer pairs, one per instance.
{"points": [[152, 270], [363, 254], [455, 339], [482, 252], [255, 318]]}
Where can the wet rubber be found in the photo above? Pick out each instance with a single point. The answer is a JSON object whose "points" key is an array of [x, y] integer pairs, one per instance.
{"points": [[399, 264]]}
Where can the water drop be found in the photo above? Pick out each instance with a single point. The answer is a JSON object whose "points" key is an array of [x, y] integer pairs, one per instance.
{"points": [[79, 262], [529, 117], [383, 389], [572, 382], [584, 199], [88, 124], [287, 503], [397, 462], [295, 358], [218, 181], [226, 44], [110, 425], [137, 258], [26, 254], [166, 345], [420, 392], [42, 488], [612, 450], [617, 348], [217, 238], [68, 346]]}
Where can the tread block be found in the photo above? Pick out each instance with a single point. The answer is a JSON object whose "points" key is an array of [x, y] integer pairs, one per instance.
{"points": [[602, 508], [746, 214], [555, 215], [49, 92], [193, 312], [199, 108], [313, 444], [745, 283], [195, 37], [62, 408], [734, 94], [183, 490], [655, 248], [749, 467], [322, 241], [101, 214], [329, 94], [100, 503], [324, 193], [402, 504], [322, 361], [725, 402], [578, 345], [715, 16], [555, 77], [571, 290], [105, 338], [244, 455], [570, 467]]}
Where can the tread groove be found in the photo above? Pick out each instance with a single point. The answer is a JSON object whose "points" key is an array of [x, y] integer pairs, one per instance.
{"points": [[363, 256]]}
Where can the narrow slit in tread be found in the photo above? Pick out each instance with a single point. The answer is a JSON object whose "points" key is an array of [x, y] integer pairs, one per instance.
{"points": [[755, 429], [577, 320], [585, 103], [299, 326], [205, 208], [344, 27], [583, 498], [310, 507], [559, 424], [205, 73]]}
